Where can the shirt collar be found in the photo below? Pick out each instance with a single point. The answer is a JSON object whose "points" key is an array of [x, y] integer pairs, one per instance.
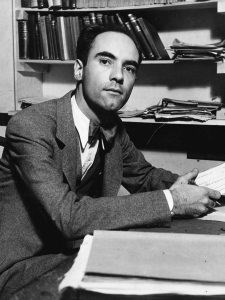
{"points": [[81, 122]]}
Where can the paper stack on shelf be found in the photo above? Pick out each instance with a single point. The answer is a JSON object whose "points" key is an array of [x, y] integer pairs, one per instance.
{"points": [[172, 109], [196, 52]]}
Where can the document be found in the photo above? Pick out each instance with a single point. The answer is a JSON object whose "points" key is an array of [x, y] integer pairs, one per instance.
{"points": [[213, 178], [147, 263]]}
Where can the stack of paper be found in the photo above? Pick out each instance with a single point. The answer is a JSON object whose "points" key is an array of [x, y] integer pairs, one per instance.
{"points": [[213, 178], [144, 263], [195, 52]]}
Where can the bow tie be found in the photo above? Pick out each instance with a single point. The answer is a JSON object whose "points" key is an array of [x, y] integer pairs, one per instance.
{"points": [[97, 131]]}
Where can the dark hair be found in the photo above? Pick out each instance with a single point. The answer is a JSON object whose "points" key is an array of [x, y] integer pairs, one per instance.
{"points": [[88, 35]]}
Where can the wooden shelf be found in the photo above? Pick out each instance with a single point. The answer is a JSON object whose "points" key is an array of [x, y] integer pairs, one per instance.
{"points": [[34, 62], [46, 61], [179, 5], [188, 123]]}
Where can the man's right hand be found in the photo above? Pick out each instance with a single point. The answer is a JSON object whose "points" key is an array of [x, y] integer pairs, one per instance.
{"points": [[191, 200]]}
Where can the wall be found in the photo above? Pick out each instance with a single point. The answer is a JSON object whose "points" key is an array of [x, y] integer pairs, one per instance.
{"points": [[6, 58]]}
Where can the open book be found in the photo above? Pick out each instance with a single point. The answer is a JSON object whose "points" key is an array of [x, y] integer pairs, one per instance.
{"points": [[213, 178], [147, 263]]}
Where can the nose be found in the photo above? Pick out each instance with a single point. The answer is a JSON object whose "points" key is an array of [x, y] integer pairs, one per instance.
{"points": [[117, 74]]}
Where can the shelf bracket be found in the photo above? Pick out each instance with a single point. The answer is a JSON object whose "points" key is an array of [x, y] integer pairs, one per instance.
{"points": [[221, 6], [221, 67], [32, 68]]}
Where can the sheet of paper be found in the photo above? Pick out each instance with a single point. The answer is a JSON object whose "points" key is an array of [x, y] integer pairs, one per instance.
{"points": [[213, 178], [218, 214], [156, 255], [78, 278], [76, 273]]}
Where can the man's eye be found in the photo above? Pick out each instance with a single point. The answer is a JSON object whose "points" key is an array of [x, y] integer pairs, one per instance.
{"points": [[130, 69], [104, 61]]}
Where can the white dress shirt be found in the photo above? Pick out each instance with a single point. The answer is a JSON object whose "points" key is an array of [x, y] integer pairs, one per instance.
{"points": [[87, 151]]}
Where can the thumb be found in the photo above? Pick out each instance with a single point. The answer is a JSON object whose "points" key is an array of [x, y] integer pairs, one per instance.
{"points": [[188, 177]]}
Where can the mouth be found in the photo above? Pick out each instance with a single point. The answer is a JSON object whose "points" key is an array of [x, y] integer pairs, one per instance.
{"points": [[114, 91]]}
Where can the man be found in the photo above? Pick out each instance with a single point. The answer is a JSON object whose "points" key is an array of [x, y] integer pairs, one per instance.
{"points": [[56, 184]]}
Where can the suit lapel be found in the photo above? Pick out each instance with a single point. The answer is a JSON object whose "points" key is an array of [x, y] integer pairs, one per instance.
{"points": [[67, 134], [112, 173], [71, 161]]}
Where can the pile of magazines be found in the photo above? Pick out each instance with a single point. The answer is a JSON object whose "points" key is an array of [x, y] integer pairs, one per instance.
{"points": [[174, 110], [194, 52]]}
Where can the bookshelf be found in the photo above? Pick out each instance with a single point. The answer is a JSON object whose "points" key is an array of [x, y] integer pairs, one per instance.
{"points": [[189, 123], [36, 78]]}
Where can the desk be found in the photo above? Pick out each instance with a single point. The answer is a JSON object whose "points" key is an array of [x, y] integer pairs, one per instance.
{"points": [[46, 287]]}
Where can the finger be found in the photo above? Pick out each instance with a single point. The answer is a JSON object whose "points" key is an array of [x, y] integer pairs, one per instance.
{"points": [[197, 210], [190, 176], [211, 204], [213, 194]]}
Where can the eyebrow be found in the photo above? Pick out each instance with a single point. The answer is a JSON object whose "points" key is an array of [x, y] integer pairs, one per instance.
{"points": [[110, 55]]}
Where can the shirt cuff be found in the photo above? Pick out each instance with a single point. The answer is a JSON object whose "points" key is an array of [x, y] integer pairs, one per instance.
{"points": [[169, 199]]}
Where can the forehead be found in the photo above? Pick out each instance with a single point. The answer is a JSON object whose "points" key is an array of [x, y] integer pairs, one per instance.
{"points": [[116, 43]]}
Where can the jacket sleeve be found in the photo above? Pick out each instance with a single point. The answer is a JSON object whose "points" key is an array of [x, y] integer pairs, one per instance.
{"points": [[138, 174], [30, 152]]}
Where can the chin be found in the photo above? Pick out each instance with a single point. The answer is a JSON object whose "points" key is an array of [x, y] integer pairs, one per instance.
{"points": [[112, 108]]}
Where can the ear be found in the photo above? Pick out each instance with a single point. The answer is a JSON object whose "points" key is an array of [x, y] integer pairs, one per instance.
{"points": [[78, 70]]}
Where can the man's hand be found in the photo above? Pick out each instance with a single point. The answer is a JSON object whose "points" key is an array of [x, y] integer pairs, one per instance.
{"points": [[192, 200]]}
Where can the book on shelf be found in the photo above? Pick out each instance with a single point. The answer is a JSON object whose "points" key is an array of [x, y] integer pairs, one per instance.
{"points": [[44, 37], [55, 37], [25, 3], [130, 29], [42, 4], [149, 38], [119, 20], [73, 36], [50, 4], [147, 265], [99, 18], [23, 38], [65, 4], [51, 48], [63, 39], [39, 37], [69, 37], [34, 3], [55, 4], [72, 4], [157, 40], [32, 28], [92, 18], [141, 37]]}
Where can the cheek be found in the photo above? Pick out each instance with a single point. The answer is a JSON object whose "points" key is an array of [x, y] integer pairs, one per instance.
{"points": [[129, 87]]}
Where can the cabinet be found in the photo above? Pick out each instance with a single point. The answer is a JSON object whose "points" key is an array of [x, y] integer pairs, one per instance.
{"points": [[190, 21]]}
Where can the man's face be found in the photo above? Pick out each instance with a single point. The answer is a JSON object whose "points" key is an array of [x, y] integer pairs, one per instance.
{"points": [[110, 72]]}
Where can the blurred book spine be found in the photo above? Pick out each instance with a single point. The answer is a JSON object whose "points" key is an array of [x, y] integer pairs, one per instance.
{"points": [[23, 38]]}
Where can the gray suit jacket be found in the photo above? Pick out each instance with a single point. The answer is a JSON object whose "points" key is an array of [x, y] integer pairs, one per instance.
{"points": [[39, 209]]}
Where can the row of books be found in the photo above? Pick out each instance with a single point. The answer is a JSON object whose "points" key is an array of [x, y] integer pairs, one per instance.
{"points": [[71, 4], [50, 36]]}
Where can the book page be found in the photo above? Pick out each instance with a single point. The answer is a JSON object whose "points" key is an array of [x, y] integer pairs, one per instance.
{"points": [[213, 178]]}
